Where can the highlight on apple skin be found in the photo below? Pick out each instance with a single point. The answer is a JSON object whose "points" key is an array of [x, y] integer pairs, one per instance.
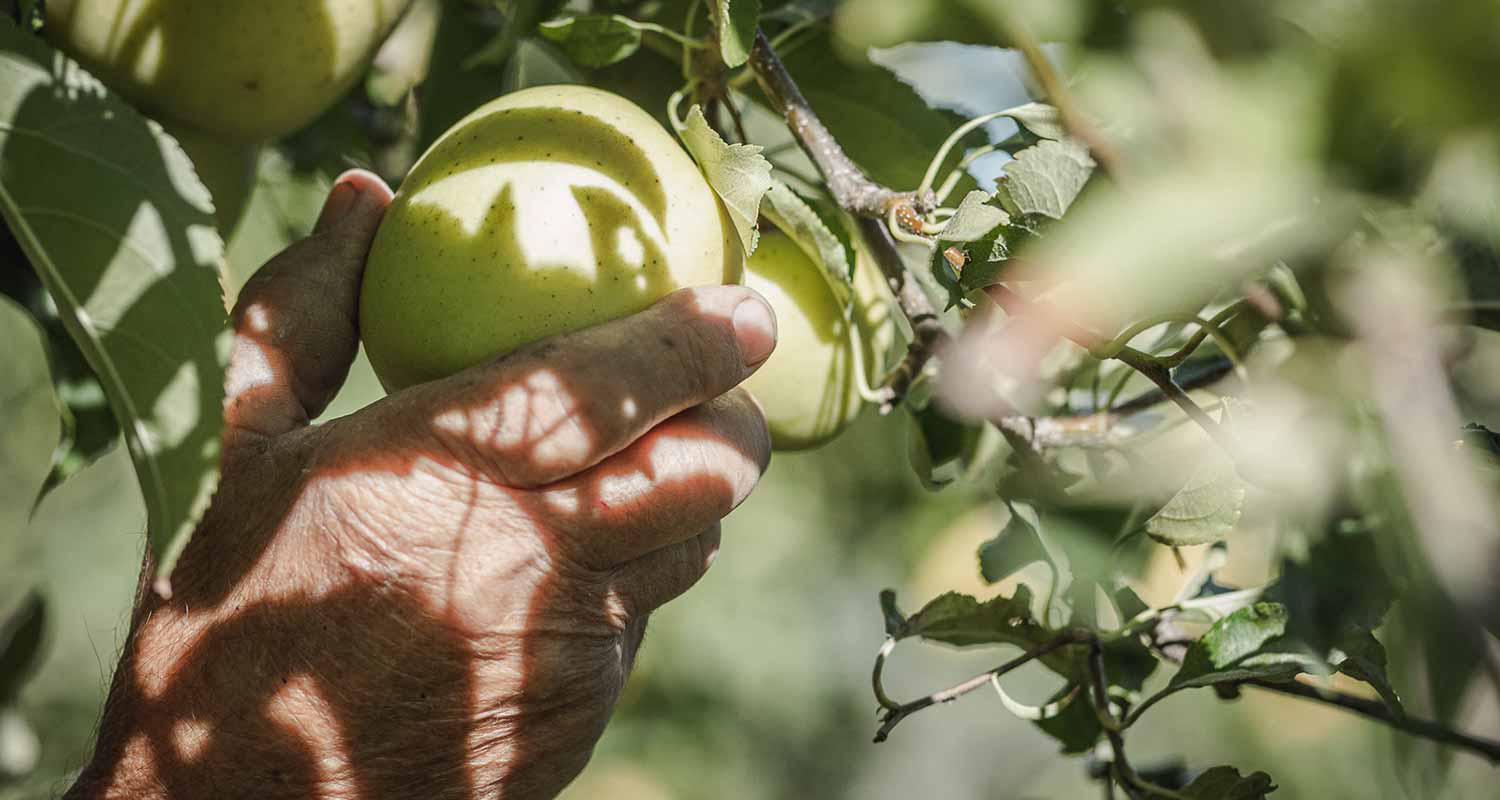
{"points": [[545, 211]]}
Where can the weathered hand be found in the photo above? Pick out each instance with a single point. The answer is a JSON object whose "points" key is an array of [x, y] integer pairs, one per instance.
{"points": [[442, 594]]}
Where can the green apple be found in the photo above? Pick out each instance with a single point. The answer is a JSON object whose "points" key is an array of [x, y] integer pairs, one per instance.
{"points": [[249, 71], [809, 387], [548, 210]]}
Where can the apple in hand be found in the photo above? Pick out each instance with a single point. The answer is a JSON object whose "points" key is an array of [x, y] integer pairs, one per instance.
{"points": [[247, 71], [808, 387], [545, 211]]}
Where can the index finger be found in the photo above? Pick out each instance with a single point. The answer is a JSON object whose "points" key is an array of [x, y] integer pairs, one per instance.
{"points": [[557, 407]]}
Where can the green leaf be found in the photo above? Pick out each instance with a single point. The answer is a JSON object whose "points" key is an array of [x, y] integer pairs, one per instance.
{"points": [[1041, 119], [594, 40], [1076, 726], [1129, 604], [1361, 656], [799, 220], [30, 411], [836, 221], [1245, 645], [895, 621], [537, 63], [1017, 545], [1341, 584], [974, 218], [518, 19], [89, 429], [960, 620], [1226, 783], [939, 447], [108, 210], [22, 633], [1046, 178], [1203, 511], [738, 173], [1128, 663], [738, 21]]}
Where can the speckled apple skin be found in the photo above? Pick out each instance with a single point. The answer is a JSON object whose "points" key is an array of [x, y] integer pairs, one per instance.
{"points": [[808, 387], [545, 211], [247, 71]]}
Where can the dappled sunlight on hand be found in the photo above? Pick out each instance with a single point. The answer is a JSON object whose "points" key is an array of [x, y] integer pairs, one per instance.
{"points": [[447, 588]]}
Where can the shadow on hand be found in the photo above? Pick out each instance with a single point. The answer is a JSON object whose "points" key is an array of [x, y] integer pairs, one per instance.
{"points": [[467, 657]]}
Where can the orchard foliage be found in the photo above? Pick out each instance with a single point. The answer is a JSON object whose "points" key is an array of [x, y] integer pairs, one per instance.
{"points": [[1217, 278]]}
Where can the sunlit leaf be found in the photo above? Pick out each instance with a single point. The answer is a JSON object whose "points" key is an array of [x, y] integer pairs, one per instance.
{"points": [[1046, 177], [738, 173], [109, 213], [738, 21], [1041, 119], [1243, 646], [974, 218], [799, 220]]}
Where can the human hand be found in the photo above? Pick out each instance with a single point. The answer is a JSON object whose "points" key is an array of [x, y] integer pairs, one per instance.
{"points": [[442, 594]]}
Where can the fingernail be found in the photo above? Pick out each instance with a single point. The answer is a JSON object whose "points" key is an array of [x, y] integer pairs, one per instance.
{"points": [[755, 328], [341, 200]]}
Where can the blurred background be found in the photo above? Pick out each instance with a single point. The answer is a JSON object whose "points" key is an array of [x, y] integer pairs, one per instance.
{"points": [[756, 685]]}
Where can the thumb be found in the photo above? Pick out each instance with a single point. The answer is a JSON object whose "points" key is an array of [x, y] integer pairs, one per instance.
{"points": [[295, 324]]}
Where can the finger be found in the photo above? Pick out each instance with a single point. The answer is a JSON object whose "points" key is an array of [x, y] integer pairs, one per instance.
{"points": [[295, 331], [550, 410], [672, 483], [654, 579]]}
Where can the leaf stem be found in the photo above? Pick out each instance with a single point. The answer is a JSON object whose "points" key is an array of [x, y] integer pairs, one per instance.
{"points": [[895, 712], [930, 176], [662, 30], [928, 333], [1153, 369], [1132, 783]]}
